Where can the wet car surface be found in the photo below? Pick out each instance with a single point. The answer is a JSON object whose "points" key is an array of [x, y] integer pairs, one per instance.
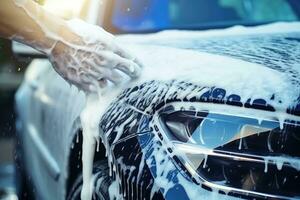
{"points": [[215, 114], [176, 137]]}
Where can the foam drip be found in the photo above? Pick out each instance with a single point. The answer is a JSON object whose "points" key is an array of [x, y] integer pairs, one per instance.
{"points": [[90, 138], [149, 74], [200, 69]]}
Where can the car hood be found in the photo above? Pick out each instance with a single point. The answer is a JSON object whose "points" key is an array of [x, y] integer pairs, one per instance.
{"points": [[253, 62]]}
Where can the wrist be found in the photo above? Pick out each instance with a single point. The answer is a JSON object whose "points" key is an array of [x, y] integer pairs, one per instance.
{"points": [[66, 38]]}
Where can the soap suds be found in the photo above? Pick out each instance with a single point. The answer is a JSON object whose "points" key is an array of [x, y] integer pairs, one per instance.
{"points": [[83, 54], [90, 118], [90, 132], [113, 191], [193, 67]]}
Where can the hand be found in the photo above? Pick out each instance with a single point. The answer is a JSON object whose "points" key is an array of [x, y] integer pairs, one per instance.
{"points": [[84, 55], [87, 56]]}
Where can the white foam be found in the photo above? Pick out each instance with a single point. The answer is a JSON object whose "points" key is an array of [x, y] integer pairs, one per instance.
{"points": [[113, 191], [164, 64], [278, 27], [202, 69], [83, 54]]}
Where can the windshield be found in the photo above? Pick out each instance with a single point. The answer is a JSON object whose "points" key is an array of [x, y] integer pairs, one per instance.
{"points": [[147, 15]]}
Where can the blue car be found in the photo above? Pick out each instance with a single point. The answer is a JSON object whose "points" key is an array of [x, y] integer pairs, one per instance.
{"points": [[215, 113]]}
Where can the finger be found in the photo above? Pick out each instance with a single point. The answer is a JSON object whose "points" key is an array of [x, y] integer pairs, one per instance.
{"points": [[86, 87], [94, 75], [79, 83], [88, 83], [103, 83], [85, 78], [115, 77], [102, 74], [128, 67], [125, 54], [95, 66]]}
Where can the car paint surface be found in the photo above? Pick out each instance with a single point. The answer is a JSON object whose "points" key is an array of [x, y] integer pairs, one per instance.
{"points": [[49, 108]]}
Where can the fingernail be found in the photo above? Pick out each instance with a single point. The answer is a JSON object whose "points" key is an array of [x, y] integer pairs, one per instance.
{"points": [[131, 68], [92, 88]]}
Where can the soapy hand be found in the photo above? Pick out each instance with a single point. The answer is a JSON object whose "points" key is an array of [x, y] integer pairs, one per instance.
{"points": [[89, 57], [83, 54]]}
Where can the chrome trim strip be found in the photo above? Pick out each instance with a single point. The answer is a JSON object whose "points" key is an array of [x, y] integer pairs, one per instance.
{"points": [[195, 149], [48, 159]]}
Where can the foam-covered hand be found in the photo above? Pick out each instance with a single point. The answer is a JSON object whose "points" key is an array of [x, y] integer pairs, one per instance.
{"points": [[88, 56]]}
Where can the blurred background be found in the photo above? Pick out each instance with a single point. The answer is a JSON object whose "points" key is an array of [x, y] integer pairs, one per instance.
{"points": [[12, 68], [11, 74]]}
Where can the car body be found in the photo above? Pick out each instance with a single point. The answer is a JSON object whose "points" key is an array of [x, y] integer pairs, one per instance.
{"points": [[215, 114]]}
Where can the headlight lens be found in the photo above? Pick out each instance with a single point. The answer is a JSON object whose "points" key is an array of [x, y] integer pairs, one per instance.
{"points": [[237, 153]]}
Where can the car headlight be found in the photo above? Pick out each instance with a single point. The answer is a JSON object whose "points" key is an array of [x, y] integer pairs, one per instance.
{"points": [[236, 154]]}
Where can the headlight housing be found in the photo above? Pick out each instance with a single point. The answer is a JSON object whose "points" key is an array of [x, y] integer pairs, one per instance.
{"points": [[236, 154]]}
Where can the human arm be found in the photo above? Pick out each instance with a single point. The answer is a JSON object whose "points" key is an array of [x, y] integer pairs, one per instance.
{"points": [[87, 58]]}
